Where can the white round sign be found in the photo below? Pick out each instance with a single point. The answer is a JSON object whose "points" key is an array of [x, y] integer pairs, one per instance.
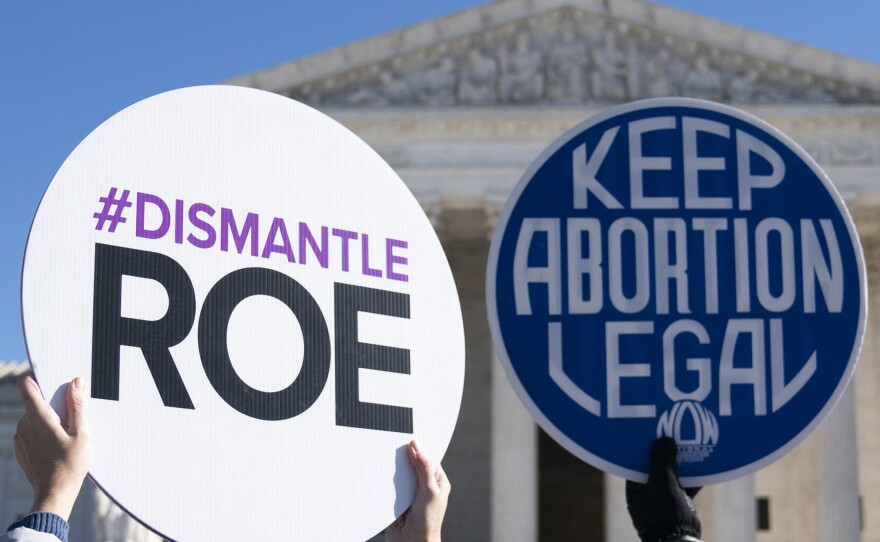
{"points": [[262, 313]]}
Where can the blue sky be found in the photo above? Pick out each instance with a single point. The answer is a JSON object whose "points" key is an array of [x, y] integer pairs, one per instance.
{"points": [[65, 67]]}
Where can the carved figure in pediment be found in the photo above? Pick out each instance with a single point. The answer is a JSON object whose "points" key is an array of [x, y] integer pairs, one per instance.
{"points": [[566, 63], [751, 87], [775, 85], [703, 81], [394, 90], [742, 88], [679, 64], [813, 90], [655, 75], [310, 94], [437, 84], [366, 95], [521, 77], [478, 79], [608, 80], [389, 90]]}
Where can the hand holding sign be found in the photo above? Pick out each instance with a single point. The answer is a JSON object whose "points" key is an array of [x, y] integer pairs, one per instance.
{"points": [[422, 522], [54, 458], [662, 508]]}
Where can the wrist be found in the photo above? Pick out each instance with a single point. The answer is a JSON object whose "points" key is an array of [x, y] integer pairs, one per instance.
{"points": [[58, 503], [57, 496]]}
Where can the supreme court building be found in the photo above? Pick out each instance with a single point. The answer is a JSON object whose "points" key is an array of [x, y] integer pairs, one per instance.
{"points": [[460, 106]]}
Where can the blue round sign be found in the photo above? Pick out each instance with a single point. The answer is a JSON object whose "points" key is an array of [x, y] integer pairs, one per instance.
{"points": [[676, 267]]}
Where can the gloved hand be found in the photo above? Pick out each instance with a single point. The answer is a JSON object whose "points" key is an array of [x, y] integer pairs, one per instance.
{"points": [[661, 509]]}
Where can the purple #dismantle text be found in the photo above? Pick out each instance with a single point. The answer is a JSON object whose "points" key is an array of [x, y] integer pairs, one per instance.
{"points": [[229, 231]]}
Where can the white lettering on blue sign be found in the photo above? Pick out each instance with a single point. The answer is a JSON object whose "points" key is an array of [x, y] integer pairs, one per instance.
{"points": [[752, 247]]}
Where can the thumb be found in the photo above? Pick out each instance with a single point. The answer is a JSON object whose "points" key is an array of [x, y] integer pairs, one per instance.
{"points": [[76, 407], [664, 467]]}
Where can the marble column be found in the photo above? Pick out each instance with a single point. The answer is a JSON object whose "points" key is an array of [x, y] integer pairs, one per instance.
{"points": [[514, 465], [468, 459], [618, 526], [838, 474], [727, 511], [866, 381]]}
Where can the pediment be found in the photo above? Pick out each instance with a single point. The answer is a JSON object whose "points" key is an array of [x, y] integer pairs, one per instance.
{"points": [[521, 52]]}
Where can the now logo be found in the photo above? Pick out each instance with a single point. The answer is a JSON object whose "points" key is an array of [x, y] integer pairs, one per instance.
{"points": [[689, 423]]}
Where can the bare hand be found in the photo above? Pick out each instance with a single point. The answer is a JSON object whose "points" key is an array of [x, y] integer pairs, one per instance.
{"points": [[423, 520], [54, 458]]}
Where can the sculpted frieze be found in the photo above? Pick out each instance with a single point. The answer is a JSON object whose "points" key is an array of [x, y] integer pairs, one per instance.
{"points": [[572, 57]]}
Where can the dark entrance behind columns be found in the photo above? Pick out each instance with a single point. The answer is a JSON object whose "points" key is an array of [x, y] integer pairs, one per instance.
{"points": [[570, 496]]}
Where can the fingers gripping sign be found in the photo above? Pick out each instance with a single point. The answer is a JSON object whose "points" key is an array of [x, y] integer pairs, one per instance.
{"points": [[662, 508], [422, 522], [54, 457]]}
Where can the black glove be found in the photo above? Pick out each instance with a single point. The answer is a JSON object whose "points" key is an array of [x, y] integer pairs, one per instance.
{"points": [[662, 509]]}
